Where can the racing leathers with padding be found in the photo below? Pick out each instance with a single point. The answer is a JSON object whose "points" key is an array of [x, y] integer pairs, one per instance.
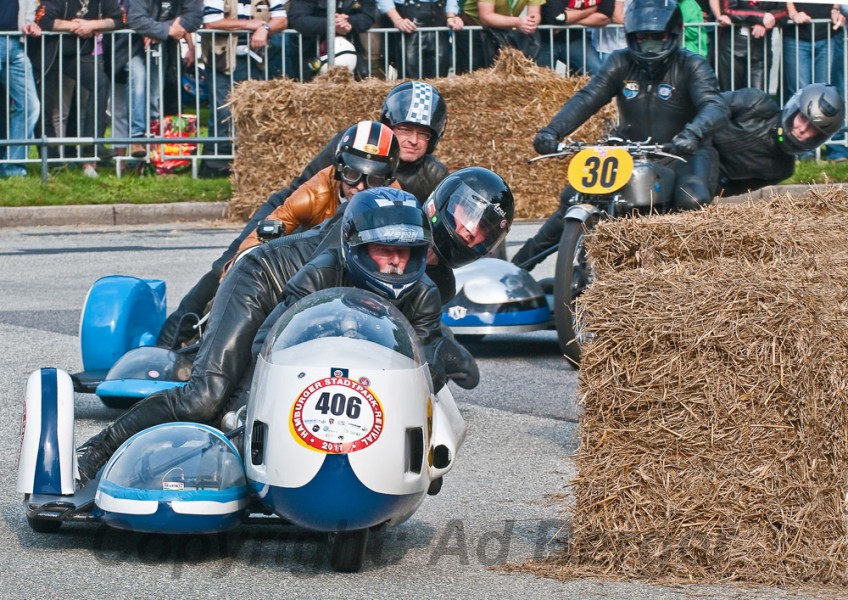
{"points": [[682, 100], [419, 178], [749, 144], [250, 292]]}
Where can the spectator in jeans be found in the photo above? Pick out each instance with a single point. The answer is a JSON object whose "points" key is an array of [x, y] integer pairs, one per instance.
{"points": [[153, 23], [838, 151], [353, 18], [573, 46], [506, 23], [417, 54], [234, 57], [21, 106], [70, 67], [744, 38]]}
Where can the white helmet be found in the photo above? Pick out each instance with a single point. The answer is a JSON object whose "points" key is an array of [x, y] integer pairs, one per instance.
{"points": [[345, 57]]}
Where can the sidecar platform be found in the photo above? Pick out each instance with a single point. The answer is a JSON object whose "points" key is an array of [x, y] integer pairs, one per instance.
{"points": [[57, 509]]}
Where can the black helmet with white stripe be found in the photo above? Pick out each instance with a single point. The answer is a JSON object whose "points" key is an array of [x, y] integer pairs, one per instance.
{"points": [[418, 103]]}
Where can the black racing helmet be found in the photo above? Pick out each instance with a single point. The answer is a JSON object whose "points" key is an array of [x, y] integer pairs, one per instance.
{"points": [[368, 149], [653, 29], [822, 105], [418, 103], [390, 217], [470, 212]]}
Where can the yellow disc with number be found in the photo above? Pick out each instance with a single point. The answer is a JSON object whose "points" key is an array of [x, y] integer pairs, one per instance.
{"points": [[600, 170]]}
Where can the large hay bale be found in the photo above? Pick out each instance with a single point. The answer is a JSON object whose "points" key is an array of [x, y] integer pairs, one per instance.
{"points": [[714, 436], [493, 115]]}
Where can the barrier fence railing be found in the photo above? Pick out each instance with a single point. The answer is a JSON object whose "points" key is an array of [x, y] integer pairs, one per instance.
{"points": [[96, 103]]}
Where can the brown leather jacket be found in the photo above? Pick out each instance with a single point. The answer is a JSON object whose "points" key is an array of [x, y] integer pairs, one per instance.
{"points": [[309, 205]]}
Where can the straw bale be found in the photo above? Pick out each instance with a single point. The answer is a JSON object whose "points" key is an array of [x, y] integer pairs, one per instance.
{"points": [[714, 432], [493, 116]]}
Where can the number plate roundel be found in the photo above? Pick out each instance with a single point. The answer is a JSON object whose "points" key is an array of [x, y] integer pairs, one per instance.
{"points": [[600, 170]]}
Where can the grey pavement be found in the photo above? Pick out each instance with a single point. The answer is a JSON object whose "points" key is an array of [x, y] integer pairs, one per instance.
{"points": [[501, 504]]}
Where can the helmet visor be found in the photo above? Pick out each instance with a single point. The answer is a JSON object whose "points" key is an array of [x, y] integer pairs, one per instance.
{"points": [[802, 134], [651, 42], [476, 222]]}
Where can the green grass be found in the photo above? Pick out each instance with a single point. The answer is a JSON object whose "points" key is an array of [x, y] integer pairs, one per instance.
{"points": [[70, 186], [807, 172]]}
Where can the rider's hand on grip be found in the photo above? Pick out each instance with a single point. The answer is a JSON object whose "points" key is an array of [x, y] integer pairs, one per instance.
{"points": [[683, 144], [545, 142]]}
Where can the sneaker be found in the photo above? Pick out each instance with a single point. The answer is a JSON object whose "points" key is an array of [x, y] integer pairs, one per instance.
{"points": [[138, 151], [89, 170]]}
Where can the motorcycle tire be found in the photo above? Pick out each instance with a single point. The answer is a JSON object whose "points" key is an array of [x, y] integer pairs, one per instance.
{"points": [[44, 525], [573, 275], [347, 550]]}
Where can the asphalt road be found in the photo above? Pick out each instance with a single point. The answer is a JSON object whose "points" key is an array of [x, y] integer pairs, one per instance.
{"points": [[502, 503]]}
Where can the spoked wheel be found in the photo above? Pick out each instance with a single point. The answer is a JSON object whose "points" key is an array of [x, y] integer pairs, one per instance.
{"points": [[347, 552], [573, 275]]}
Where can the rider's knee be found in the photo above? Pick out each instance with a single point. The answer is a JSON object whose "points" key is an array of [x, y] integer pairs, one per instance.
{"points": [[204, 399]]}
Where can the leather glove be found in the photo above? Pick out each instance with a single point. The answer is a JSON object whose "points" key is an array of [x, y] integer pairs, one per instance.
{"points": [[456, 361], [683, 144], [546, 141]]}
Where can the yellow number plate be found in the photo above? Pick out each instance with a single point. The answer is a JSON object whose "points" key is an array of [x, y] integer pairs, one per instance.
{"points": [[600, 170]]}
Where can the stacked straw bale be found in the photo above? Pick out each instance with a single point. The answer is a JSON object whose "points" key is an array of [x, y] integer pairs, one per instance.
{"points": [[714, 438], [493, 115]]}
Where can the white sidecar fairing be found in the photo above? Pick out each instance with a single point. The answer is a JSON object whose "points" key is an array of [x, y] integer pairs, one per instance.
{"points": [[495, 296], [340, 420], [173, 478]]}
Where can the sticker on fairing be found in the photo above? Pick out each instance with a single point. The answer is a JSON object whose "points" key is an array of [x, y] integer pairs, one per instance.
{"points": [[337, 415]]}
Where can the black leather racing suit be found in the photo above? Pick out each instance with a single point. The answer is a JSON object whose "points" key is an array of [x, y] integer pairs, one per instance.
{"points": [[255, 286], [750, 156], [682, 97], [419, 178]]}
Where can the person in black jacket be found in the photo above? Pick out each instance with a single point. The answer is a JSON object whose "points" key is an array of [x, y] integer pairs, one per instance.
{"points": [[664, 93], [71, 56], [417, 114], [353, 17], [760, 144], [259, 287]]}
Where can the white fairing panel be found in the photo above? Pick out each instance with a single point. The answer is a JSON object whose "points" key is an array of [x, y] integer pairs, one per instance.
{"points": [[449, 428], [359, 411], [47, 460]]}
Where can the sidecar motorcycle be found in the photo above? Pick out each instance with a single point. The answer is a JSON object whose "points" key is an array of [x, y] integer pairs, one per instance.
{"points": [[342, 434], [611, 180]]}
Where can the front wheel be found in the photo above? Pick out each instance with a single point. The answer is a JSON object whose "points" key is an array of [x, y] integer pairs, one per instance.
{"points": [[44, 525], [573, 275], [347, 552]]}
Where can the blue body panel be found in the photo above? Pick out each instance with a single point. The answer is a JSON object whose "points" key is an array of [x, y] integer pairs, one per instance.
{"points": [[133, 388], [533, 316], [335, 500], [48, 478], [166, 521], [120, 313]]}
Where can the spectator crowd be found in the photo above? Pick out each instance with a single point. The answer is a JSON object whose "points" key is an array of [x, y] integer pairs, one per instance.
{"points": [[92, 68]]}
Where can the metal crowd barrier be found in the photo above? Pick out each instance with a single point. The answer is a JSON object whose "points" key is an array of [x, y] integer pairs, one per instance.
{"points": [[88, 127]]}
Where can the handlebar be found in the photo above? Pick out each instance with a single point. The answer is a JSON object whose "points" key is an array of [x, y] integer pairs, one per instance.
{"points": [[636, 149]]}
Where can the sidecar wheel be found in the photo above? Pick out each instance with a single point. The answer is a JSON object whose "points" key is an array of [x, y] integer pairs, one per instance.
{"points": [[118, 402], [348, 550], [573, 275], [44, 525]]}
